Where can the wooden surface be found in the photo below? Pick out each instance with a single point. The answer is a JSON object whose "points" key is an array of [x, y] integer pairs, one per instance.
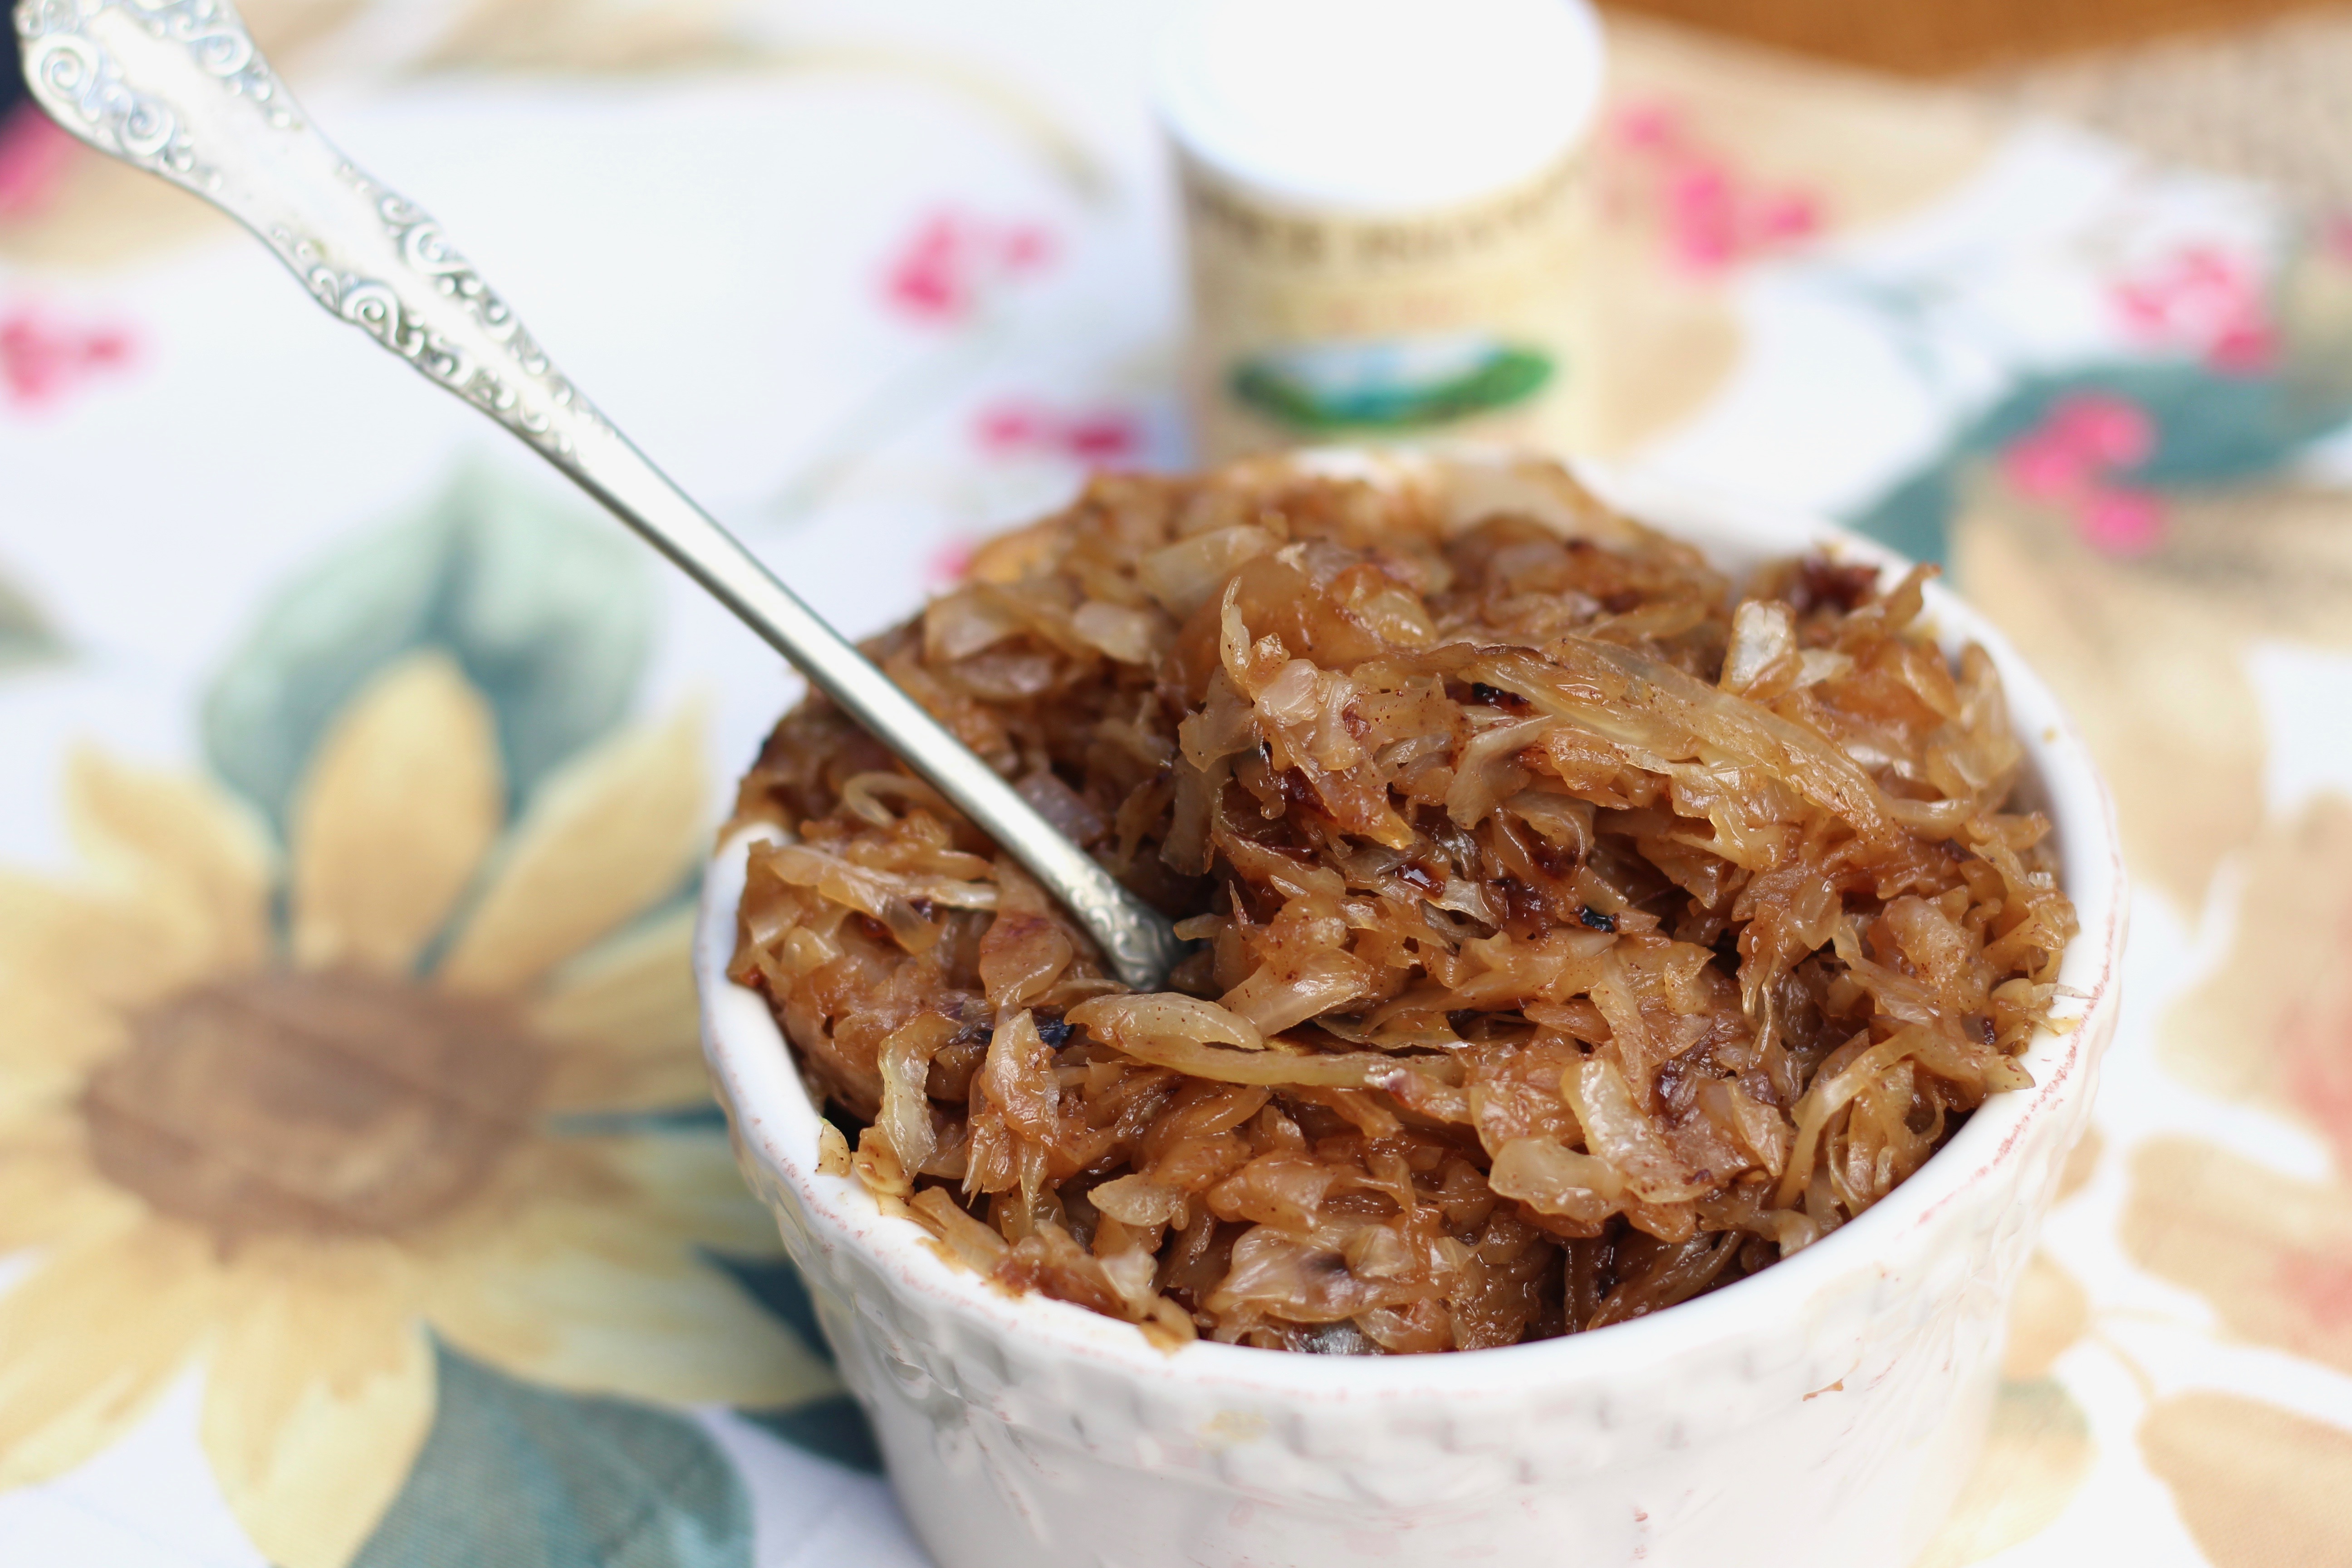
{"points": [[2268, 103], [1929, 37]]}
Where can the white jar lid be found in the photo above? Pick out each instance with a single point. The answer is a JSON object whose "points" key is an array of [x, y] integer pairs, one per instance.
{"points": [[1378, 106]]}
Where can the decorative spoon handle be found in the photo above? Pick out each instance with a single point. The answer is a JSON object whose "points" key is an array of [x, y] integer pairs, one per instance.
{"points": [[177, 88]]}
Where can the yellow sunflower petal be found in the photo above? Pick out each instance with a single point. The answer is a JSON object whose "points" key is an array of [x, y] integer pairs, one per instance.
{"points": [[610, 833], [117, 949], [395, 815], [605, 1297], [49, 1192], [2271, 1254], [2034, 1461], [625, 1019], [89, 1340], [182, 848], [2269, 1027], [2259, 1486], [49, 1040], [689, 1184], [2050, 1314], [320, 1395], [2081, 1165]]}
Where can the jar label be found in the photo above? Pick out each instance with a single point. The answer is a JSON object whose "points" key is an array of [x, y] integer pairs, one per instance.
{"points": [[1461, 323]]}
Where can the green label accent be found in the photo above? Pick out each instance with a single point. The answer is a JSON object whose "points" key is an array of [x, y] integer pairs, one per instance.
{"points": [[1401, 383]]}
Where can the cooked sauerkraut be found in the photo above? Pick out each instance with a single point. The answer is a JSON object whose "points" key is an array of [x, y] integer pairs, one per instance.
{"points": [[1577, 935]]}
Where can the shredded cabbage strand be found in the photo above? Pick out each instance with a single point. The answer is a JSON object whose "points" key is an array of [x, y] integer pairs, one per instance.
{"points": [[1576, 934]]}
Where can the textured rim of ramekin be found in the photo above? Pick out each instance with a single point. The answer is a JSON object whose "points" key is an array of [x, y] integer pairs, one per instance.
{"points": [[777, 1125]]}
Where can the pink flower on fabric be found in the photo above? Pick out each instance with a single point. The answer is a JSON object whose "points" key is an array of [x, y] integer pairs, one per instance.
{"points": [[2320, 1284], [2112, 432], [2040, 469], [948, 564], [34, 156], [1648, 126], [2203, 299], [2120, 522], [2317, 1049], [952, 259], [1018, 427], [43, 357], [1714, 216], [2069, 460], [2337, 236]]}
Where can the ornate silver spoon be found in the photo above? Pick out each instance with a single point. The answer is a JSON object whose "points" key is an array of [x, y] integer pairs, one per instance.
{"points": [[177, 88]]}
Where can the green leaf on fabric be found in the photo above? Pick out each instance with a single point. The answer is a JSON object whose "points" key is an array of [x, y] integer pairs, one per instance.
{"points": [[834, 1428], [2212, 428], [547, 608], [703, 1116], [1916, 515], [517, 1477], [777, 1286], [26, 637]]}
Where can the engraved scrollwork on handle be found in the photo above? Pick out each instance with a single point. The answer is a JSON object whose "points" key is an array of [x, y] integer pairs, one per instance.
{"points": [[427, 253], [402, 255], [83, 90], [528, 409], [217, 39], [176, 88]]}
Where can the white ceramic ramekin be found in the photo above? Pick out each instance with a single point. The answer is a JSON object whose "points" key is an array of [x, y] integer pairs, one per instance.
{"points": [[1823, 1412]]}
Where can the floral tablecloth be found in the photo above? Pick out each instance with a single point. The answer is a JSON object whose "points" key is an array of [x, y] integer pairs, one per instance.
{"points": [[360, 1201]]}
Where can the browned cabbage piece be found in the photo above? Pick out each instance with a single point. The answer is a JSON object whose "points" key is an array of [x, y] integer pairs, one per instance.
{"points": [[1577, 935]]}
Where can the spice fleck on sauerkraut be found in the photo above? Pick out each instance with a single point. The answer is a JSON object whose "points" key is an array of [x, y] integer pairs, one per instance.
{"points": [[1576, 936]]}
